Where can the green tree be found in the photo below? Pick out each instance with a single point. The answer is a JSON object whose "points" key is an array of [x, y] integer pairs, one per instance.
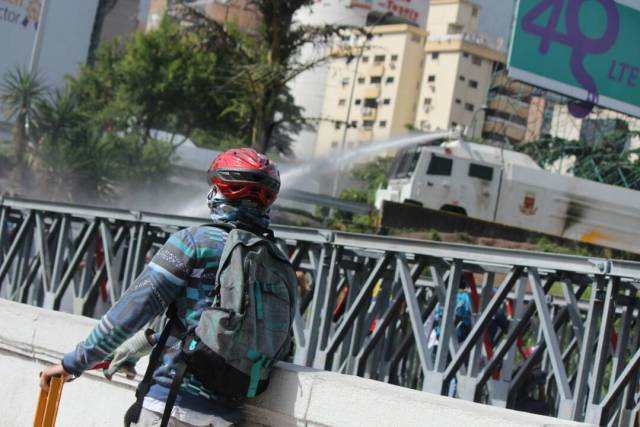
{"points": [[373, 175], [78, 162], [607, 161], [20, 93], [263, 64], [163, 79]]}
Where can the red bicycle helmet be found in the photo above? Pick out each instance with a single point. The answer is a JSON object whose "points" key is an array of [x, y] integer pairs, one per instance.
{"points": [[243, 173]]}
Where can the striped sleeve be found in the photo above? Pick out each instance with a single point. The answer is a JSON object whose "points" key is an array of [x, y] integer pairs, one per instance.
{"points": [[159, 284]]}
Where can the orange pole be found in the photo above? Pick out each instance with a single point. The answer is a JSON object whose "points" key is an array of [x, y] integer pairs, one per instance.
{"points": [[48, 402]]}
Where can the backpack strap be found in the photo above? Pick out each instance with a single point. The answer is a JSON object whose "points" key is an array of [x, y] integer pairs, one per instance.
{"points": [[259, 361], [266, 233], [133, 413], [181, 368]]}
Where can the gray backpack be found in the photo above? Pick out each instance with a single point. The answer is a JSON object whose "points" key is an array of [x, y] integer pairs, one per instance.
{"points": [[245, 331], [248, 327]]}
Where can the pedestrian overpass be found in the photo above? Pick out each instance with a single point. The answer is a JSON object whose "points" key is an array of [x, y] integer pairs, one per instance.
{"points": [[366, 309]]}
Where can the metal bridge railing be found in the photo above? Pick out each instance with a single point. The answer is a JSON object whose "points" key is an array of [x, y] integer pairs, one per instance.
{"points": [[367, 305]]}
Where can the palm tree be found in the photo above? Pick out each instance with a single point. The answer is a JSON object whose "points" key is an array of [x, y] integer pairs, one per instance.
{"points": [[20, 93]]}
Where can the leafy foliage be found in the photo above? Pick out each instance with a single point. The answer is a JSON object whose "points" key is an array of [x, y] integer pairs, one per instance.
{"points": [[607, 162], [162, 79], [263, 63], [20, 92], [373, 174]]}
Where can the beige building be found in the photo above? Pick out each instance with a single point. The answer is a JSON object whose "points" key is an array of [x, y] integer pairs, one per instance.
{"points": [[411, 78], [459, 64], [385, 88]]}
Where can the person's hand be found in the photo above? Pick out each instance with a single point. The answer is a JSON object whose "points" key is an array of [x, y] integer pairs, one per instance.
{"points": [[126, 356], [52, 371]]}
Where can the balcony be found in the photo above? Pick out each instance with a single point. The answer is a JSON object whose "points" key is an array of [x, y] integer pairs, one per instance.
{"points": [[499, 125], [369, 113], [372, 91], [509, 105], [365, 134], [376, 70]]}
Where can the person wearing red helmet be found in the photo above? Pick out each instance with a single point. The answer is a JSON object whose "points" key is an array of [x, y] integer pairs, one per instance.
{"points": [[243, 186]]}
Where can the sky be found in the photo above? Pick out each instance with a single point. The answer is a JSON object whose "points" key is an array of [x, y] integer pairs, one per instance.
{"points": [[496, 17]]}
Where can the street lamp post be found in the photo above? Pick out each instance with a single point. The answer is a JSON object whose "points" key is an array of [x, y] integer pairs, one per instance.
{"points": [[472, 125], [368, 35]]}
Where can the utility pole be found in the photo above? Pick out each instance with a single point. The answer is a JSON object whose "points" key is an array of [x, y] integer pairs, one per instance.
{"points": [[38, 39], [368, 35]]}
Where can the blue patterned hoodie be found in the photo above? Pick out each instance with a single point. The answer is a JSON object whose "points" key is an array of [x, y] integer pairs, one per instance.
{"points": [[182, 272]]}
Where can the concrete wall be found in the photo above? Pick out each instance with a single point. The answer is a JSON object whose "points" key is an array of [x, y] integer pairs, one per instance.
{"points": [[31, 337]]}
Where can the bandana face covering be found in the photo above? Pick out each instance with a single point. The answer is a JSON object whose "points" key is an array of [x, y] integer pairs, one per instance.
{"points": [[243, 212]]}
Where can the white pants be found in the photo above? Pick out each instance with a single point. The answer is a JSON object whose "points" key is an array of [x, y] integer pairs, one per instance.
{"points": [[153, 419]]}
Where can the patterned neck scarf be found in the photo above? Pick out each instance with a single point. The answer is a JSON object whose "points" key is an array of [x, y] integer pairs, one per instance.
{"points": [[243, 213]]}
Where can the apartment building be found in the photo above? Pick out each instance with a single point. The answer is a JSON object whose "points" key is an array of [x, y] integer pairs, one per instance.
{"points": [[408, 80], [514, 113], [385, 81], [459, 64]]}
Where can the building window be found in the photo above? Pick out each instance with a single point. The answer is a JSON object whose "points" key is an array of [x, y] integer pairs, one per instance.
{"points": [[394, 57], [358, 101], [389, 80], [378, 58], [469, 107], [365, 59], [337, 125], [431, 78], [376, 80], [458, 101], [474, 11], [424, 125], [415, 38], [354, 123], [383, 123], [334, 144], [360, 80], [341, 102], [440, 165], [454, 29], [435, 55], [462, 78], [345, 81], [386, 101], [480, 171], [370, 103], [473, 84], [368, 124], [427, 101], [476, 60], [465, 55]]}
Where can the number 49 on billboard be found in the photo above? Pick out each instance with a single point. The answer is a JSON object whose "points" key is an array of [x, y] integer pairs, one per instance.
{"points": [[585, 49]]}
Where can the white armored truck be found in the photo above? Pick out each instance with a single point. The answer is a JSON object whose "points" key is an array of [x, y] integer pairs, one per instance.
{"points": [[507, 187]]}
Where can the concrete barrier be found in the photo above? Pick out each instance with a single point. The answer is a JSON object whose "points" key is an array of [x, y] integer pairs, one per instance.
{"points": [[31, 337]]}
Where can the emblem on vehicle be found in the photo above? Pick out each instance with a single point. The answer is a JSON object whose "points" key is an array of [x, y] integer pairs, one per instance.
{"points": [[528, 206]]}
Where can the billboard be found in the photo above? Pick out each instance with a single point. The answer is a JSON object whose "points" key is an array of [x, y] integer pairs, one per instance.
{"points": [[64, 39], [588, 50], [411, 10]]}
